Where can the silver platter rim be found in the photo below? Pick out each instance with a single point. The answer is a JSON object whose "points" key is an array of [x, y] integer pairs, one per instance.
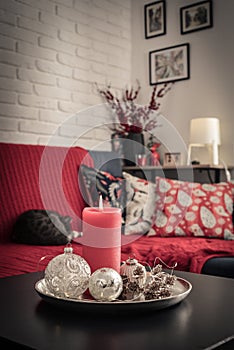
{"points": [[180, 291]]}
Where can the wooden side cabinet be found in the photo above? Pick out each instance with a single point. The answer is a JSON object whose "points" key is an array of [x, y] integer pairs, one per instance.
{"points": [[196, 173]]}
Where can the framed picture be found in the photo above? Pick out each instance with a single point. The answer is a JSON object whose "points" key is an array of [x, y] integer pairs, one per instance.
{"points": [[196, 17], [172, 159], [155, 19], [169, 64]]}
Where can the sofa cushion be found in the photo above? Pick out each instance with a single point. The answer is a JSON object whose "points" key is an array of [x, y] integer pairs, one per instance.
{"points": [[94, 182], [140, 205], [193, 209], [135, 196]]}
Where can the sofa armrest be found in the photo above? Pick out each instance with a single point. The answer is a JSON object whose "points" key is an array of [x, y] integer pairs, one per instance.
{"points": [[219, 266], [107, 161]]}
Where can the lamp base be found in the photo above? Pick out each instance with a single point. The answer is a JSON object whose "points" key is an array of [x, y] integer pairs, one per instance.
{"points": [[215, 154], [213, 151]]}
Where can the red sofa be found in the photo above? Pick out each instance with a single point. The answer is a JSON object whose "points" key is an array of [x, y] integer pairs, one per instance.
{"points": [[39, 177]]}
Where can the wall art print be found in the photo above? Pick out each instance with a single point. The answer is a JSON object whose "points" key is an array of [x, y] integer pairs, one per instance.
{"points": [[155, 19], [169, 64], [196, 16]]}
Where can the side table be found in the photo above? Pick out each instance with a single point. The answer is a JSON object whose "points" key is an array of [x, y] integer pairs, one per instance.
{"points": [[204, 318]]}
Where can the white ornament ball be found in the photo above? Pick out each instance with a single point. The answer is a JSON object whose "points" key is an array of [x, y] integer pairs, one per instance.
{"points": [[67, 275], [134, 278], [105, 284], [135, 271]]}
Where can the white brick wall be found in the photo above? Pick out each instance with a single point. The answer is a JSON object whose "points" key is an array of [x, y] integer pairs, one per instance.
{"points": [[52, 52]]}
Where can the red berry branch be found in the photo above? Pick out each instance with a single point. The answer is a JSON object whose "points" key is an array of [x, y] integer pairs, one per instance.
{"points": [[132, 117]]}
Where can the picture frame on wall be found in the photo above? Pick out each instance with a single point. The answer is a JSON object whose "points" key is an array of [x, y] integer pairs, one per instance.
{"points": [[169, 64], [196, 17], [172, 159], [155, 19]]}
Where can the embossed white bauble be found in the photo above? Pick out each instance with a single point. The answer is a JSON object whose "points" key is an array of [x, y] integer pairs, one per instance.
{"points": [[134, 271], [67, 275], [105, 284], [134, 277]]}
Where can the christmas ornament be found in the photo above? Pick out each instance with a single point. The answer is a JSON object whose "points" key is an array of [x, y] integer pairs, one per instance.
{"points": [[134, 277], [67, 275], [105, 284], [155, 156]]}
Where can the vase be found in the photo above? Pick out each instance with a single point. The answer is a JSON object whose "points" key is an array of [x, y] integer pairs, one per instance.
{"points": [[117, 144], [133, 144]]}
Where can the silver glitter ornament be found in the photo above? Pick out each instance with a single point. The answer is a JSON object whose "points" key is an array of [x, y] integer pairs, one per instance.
{"points": [[67, 275], [105, 284]]}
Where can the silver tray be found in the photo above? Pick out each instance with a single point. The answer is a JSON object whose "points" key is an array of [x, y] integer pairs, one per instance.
{"points": [[180, 291]]}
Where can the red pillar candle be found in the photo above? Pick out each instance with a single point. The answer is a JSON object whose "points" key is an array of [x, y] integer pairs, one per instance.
{"points": [[102, 237]]}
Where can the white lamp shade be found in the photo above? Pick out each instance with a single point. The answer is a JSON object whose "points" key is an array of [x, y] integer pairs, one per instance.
{"points": [[205, 131]]}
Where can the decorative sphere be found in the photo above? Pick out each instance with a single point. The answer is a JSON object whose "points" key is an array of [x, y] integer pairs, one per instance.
{"points": [[132, 269], [105, 284], [134, 278], [67, 275]]}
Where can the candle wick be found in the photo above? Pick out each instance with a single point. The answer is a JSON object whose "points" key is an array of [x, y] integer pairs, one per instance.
{"points": [[100, 202]]}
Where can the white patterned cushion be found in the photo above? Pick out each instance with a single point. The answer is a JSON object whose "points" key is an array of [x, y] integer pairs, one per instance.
{"points": [[140, 205]]}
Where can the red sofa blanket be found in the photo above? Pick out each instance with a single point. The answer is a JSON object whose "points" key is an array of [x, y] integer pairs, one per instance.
{"points": [[189, 253]]}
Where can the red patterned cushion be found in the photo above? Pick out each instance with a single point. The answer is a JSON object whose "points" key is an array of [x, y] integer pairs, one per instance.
{"points": [[140, 205], [193, 209], [232, 186]]}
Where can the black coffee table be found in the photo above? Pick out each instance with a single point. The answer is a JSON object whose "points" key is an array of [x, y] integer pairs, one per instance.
{"points": [[204, 318]]}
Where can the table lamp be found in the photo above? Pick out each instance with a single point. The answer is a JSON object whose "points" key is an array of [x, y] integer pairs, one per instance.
{"points": [[205, 132]]}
